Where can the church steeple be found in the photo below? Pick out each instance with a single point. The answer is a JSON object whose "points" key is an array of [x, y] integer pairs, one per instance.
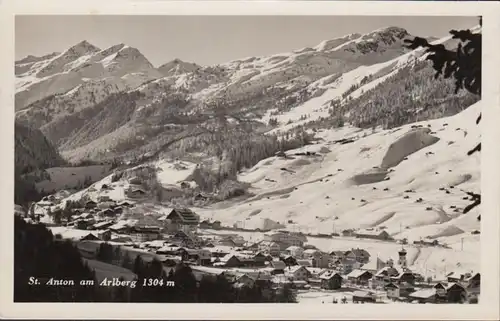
{"points": [[402, 258]]}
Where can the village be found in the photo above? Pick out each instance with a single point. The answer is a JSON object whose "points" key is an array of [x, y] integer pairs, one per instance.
{"points": [[351, 275]]}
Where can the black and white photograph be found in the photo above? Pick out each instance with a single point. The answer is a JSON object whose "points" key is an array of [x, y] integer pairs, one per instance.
{"points": [[320, 160]]}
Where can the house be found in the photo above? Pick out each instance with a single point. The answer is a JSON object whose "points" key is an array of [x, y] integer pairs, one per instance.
{"points": [[374, 234], [245, 280], [404, 276], [278, 267], [104, 235], [424, 296], [331, 280], [289, 260], [392, 291], [205, 224], [216, 225], [297, 272], [304, 263], [396, 291], [348, 232], [183, 219], [456, 293], [272, 248], [90, 237], [386, 273], [321, 260], [135, 180], [311, 253], [144, 233], [295, 251], [136, 192], [359, 255], [230, 260], [285, 238], [440, 289], [359, 277], [337, 255], [363, 296], [90, 204], [473, 281]]}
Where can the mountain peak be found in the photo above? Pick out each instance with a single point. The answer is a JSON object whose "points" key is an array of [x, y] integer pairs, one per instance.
{"points": [[83, 47], [177, 66]]}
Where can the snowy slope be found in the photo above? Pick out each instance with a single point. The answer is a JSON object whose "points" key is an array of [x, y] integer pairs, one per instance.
{"points": [[318, 194]]}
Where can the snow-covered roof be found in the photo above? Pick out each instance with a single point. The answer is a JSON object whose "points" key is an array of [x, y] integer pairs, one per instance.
{"points": [[423, 293], [356, 273]]}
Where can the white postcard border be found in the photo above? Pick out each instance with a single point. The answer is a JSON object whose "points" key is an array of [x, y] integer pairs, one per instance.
{"points": [[487, 309]]}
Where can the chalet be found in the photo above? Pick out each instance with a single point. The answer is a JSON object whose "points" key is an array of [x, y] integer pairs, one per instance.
{"points": [[200, 197], [90, 237], [359, 277], [285, 238], [457, 277], [278, 267], [122, 239], [440, 289], [216, 225], [125, 204], [245, 280], [398, 290], [392, 291], [473, 281], [363, 296], [311, 253], [169, 261], [331, 280], [289, 260], [424, 296], [297, 272], [144, 233], [337, 255], [373, 234], [304, 263], [359, 255], [272, 248], [136, 192], [348, 232], [183, 219], [135, 180], [104, 235], [404, 276], [170, 250], [295, 251], [205, 224], [383, 276], [90, 204], [456, 293], [230, 260], [106, 213], [321, 260]]}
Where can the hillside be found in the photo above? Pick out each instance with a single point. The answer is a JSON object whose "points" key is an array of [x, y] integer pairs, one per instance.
{"points": [[33, 151]]}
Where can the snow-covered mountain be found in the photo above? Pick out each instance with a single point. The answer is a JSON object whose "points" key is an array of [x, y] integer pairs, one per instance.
{"points": [[67, 95]]}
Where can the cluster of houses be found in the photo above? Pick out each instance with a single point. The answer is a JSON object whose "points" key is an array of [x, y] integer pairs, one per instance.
{"points": [[279, 257]]}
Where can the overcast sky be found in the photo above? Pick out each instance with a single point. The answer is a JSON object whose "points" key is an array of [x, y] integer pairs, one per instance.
{"points": [[209, 40]]}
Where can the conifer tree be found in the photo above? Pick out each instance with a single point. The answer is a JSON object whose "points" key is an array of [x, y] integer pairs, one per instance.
{"points": [[462, 64]]}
